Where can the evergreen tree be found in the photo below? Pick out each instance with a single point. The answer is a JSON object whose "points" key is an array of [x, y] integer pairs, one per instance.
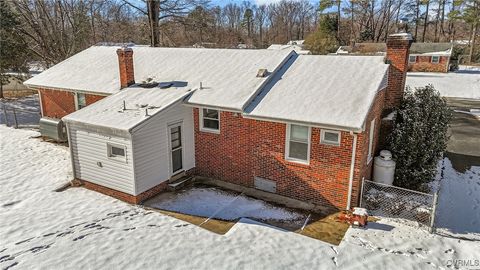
{"points": [[12, 47], [323, 40], [419, 137]]}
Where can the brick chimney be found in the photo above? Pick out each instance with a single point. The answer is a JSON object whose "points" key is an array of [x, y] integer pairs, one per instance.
{"points": [[398, 48], [125, 65]]}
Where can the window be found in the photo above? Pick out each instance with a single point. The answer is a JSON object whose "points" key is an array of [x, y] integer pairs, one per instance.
{"points": [[435, 59], [330, 137], [116, 151], [80, 101], [370, 140], [210, 120], [298, 143], [412, 59]]}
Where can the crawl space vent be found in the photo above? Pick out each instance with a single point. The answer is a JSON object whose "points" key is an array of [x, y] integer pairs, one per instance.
{"points": [[265, 184]]}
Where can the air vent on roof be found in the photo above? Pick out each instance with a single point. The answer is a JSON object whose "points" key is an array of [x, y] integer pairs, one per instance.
{"points": [[148, 83], [262, 73], [164, 85]]}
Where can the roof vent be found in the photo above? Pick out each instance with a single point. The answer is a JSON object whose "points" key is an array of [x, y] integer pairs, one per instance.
{"points": [[148, 83], [262, 73], [164, 85]]}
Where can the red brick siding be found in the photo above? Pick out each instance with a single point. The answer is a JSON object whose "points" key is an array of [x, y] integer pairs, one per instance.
{"points": [[57, 103], [424, 64], [246, 148], [125, 64], [122, 195]]}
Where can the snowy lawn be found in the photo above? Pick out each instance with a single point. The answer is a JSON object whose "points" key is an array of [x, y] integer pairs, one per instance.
{"points": [[82, 229], [463, 83]]}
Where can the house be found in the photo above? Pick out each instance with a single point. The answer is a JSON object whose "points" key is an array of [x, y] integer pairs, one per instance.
{"points": [[424, 57], [296, 45], [302, 126]]}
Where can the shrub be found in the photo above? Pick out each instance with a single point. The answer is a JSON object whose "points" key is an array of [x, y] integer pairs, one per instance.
{"points": [[419, 137]]}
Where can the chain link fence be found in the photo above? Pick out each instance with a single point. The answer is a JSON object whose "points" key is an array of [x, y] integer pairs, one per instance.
{"points": [[18, 115], [395, 202]]}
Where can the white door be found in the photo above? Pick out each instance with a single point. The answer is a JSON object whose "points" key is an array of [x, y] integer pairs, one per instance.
{"points": [[176, 147]]}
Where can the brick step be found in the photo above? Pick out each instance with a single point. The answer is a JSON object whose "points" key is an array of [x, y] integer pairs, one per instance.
{"points": [[179, 183]]}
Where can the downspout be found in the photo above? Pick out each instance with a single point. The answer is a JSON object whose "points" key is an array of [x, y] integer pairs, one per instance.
{"points": [[40, 101], [352, 171]]}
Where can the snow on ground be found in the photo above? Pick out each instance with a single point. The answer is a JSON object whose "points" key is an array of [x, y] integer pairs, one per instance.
{"points": [[27, 110], [205, 202], [463, 83], [82, 229], [458, 210]]}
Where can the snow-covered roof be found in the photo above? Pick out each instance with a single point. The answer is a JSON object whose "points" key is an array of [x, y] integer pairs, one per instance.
{"points": [[442, 49], [92, 70], [297, 48], [228, 75], [330, 91], [140, 104]]}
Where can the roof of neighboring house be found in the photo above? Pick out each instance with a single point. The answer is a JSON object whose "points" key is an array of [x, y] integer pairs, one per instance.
{"points": [[297, 48], [381, 48], [228, 76], [328, 90], [109, 112]]}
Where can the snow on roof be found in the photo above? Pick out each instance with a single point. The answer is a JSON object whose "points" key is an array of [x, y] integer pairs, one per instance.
{"points": [[109, 112], [92, 70], [228, 75], [297, 48], [444, 49], [325, 90]]}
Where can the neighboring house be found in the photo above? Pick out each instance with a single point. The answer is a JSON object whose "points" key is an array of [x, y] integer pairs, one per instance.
{"points": [[296, 45], [302, 126], [424, 57]]}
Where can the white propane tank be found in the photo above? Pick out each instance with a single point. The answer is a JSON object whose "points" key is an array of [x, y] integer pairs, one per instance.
{"points": [[384, 168]]}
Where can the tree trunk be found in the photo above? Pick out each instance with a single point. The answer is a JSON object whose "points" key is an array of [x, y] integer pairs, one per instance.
{"points": [[1, 90], [339, 15], [417, 14], [153, 9], [425, 22], [472, 41]]}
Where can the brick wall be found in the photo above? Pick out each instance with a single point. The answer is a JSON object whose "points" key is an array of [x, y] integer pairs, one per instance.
{"points": [[57, 104], [398, 48], [424, 64]]}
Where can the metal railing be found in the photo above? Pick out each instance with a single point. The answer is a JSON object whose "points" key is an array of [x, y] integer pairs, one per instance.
{"points": [[396, 202]]}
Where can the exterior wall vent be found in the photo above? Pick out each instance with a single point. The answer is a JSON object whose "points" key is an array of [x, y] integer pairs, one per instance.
{"points": [[265, 184]]}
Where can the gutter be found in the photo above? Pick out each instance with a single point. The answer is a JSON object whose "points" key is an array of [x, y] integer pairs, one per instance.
{"points": [[352, 172], [38, 87]]}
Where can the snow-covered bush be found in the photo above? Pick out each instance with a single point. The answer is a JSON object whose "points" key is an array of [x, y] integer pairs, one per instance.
{"points": [[419, 137]]}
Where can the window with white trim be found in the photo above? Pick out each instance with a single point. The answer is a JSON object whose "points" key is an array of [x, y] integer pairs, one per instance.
{"points": [[298, 143], [436, 59], [371, 134], [209, 120], [80, 101], [412, 59], [330, 137], [116, 151]]}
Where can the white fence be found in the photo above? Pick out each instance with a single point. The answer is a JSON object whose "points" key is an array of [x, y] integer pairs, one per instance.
{"points": [[396, 202]]}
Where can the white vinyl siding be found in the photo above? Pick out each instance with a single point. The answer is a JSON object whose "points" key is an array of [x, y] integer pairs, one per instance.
{"points": [[298, 144], [152, 148], [330, 137], [371, 134], [92, 163]]}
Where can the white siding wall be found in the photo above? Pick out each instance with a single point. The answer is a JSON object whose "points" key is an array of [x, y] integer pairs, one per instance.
{"points": [[89, 147], [151, 146]]}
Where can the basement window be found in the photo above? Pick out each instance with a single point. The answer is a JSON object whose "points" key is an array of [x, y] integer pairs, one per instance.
{"points": [[210, 120], [80, 101], [116, 151], [298, 144], [436, 59], [412, 59], [330, 137]]}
